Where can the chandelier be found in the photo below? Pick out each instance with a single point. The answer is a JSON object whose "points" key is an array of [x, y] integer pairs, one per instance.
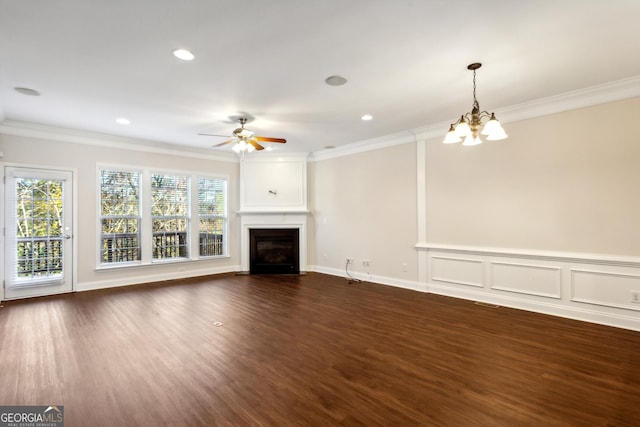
{"points": [[468, 126]]}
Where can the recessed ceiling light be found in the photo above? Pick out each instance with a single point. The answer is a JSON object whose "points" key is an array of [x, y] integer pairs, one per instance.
{"points": [[335, 80], [183, 54], [367, 117], [27, 91], [329, 147], [123, 121]]}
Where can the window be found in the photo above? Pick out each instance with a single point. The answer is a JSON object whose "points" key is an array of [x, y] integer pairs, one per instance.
{"points": [[170, 216], [212, 216], [38, 218], [119, 216], [148, 217]]}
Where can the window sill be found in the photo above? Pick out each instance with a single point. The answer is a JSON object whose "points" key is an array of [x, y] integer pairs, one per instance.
{"points": [[140, 264]]}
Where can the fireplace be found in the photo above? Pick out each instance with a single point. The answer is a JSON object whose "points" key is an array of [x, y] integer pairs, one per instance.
{"points": [[274, 251]]}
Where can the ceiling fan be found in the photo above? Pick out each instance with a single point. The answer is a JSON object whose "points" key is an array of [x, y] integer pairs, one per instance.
{"points": [[245, 139]]}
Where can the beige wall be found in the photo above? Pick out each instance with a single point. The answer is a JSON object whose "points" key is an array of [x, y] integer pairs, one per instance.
{"points": [[364, 206], [564, 182], [84, 159]]}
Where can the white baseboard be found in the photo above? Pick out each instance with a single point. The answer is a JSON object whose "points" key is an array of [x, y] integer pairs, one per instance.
{"points": [[586, 287], [560, 310], [381, 280]]}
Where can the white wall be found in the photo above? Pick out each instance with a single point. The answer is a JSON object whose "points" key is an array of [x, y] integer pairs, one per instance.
{"points": [[364, 207], [83, 159]]}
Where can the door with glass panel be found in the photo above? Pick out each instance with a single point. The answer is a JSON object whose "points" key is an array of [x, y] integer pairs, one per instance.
{"points": [[38, 232]]}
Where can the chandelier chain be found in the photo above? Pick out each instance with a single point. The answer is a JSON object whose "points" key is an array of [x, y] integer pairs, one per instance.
{"points": [[475, 101]]}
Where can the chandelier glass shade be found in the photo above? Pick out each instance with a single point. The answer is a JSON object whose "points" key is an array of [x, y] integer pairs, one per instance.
{"points": [[471, 125]]}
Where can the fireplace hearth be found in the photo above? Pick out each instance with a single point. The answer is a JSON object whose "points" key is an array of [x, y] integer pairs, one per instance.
{"points": [[274, 251]]}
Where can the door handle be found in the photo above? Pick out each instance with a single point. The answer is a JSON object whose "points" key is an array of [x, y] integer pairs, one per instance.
{"points": [[67, 236]]}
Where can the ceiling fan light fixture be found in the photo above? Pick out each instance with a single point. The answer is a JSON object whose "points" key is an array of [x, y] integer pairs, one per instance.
{"points": [[245, 133], [245, 140], [242, 145]]}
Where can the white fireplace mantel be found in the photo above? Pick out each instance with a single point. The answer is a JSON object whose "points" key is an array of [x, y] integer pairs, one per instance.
{"points": [[270, 220]]}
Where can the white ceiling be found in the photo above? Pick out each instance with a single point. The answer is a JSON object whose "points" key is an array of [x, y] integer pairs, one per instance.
{"points": [[405, 61]]}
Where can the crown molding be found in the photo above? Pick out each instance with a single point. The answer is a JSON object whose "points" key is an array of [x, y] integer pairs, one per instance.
{"points": [[594, 95], [378, 143], [270, 156], [52, 133]]}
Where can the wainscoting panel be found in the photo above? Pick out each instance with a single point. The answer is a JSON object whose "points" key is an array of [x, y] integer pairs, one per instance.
{"points": [[589, 287], [528, 279], [604, 288], [460, 271]]}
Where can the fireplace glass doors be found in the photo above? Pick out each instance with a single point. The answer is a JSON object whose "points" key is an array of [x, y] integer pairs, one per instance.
{"points": [[274, 251]]}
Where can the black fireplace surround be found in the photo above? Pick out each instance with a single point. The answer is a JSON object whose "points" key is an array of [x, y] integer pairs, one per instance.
{"points": [[274, 251]]}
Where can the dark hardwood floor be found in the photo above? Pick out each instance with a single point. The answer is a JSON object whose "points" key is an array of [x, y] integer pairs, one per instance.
{"points": [[310, 351]]}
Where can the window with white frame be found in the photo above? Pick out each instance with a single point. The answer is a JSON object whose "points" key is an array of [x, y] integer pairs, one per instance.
{"points": [[149, 217], [170, 216], [119, 216], [212, 193]]}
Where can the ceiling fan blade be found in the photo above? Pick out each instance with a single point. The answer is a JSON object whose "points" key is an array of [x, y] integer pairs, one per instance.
{"points": [[224, 143], [267, 139], [213, 134], [256, 145]]}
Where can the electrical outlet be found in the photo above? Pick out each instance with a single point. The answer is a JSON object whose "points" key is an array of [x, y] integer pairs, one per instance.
{"points": [[366, 263], [404, 267], [635, 297]]}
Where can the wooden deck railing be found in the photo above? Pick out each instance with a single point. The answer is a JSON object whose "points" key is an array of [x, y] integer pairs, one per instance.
{"points": [[124, 247]]}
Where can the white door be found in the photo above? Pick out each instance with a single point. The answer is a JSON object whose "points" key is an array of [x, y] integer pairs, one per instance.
{"points": [[38, 232]]}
